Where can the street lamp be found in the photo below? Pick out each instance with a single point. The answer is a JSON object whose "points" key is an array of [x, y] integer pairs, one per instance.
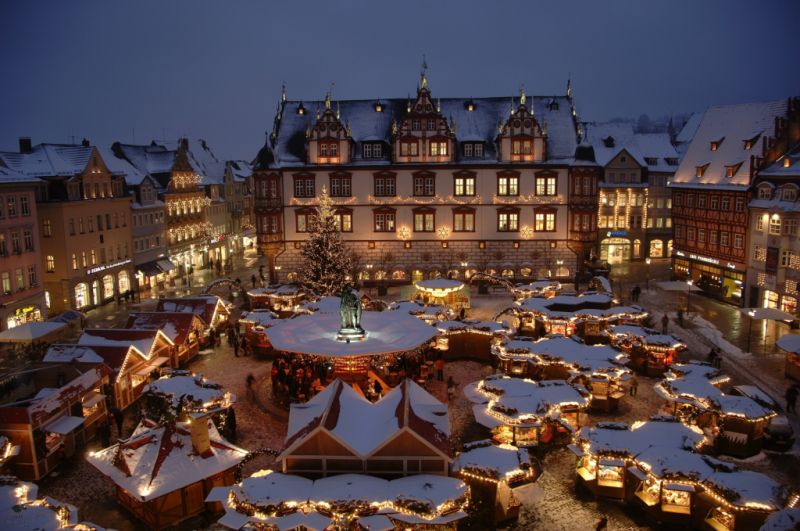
{"points": [[752, 314], [647, 278], [688, 294]]}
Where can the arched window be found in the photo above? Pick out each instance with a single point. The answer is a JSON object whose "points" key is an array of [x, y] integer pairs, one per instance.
{"points": [[124, 281], [82, 295], [398, 274], [507, 273], [108, 286], [526, 271], [562, 272], [656, 249], [637, 248]]}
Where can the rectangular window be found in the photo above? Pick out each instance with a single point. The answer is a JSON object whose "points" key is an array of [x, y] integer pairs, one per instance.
{"points": [[71, 224], [32, 276], [409, 149], [20, 279], [701, 235], [93, 256], [724, 239], [304, 187], [738, 241], [790, 226], [24, 205], [701, 201], [438, 148], [385, 186], [464, 186], [344, 221], [423, 221], [760, 224], [468, 149], [415, 125], [372, 150], [15, 246], [786, 257], [587, 186], [740, 204], [27, 236], [463, 221], [712, 237], [431, 124], [508, 221], [340, 186], [714, 202], [384, 221], [545, 186], [424, 185], [11, 207], [690, 233], [51, 263], [303, 222], [6, 283], [508, 185], [725, 204], [601, 222], [47, 228], [74, 262], [544, 221], [775, 225], [690, 201]]}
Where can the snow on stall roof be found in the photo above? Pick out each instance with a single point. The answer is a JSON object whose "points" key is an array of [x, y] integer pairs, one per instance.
{"points": [[156, 460], [671, 462], [176, 386], [783, 520], [268, 488], [790, 342], [427, 488], [364, 426], [65, 353], [175, 325], [32, 331], [312, 521], [495, 460], [263, 318], [204, 307], [469, 324], [621, 438], [744, 486], [439, 284], [742, 406], [329, 304], [570, 350], [316, 334], [142, 340], [20, 508], [350, 487], [648, 335], [732, 125], [417, 308], [477, 125]]}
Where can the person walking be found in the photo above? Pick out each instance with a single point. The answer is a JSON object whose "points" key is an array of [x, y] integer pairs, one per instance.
{"points": [[251, 380], [253, 280], [119, 419], [664, 323], [717, 358], [235, 342], [634, 385], [791, 399], [712, 357], [451, 389], [439, 364]]}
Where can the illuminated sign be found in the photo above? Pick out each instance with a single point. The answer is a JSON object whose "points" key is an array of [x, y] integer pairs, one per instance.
{"points": [[705, 259], [107, 266]]}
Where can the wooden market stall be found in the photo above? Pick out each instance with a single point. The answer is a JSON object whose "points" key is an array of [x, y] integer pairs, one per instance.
{"points": [[470, 339], [164, 473], [503, 476], [51, 411], [22, 508], [526, 413], [650, 353], [790, 343], [339, 431], [213, 310], [539, 288], [443, 291], [184, 330], [281, 299]]}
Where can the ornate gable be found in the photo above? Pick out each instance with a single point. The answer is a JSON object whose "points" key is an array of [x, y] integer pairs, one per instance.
{"points": [[521, 138], [423, 135], [329, 141]]}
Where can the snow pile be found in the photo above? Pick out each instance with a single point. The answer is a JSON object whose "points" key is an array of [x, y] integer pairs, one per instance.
{"points": [[19, 508]]}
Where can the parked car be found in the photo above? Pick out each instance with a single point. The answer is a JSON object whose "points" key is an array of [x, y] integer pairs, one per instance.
{"points": [[778, 435]]}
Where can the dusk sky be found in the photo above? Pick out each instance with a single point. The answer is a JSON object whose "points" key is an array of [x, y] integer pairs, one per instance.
{"points": [[144, 70]]}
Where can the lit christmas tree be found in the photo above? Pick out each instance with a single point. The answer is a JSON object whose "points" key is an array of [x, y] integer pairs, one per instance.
{"points": [[326, 260]]}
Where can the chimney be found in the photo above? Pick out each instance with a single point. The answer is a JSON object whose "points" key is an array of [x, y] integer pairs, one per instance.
{"points": [[25, 145], [85, 142], [201, 441]]}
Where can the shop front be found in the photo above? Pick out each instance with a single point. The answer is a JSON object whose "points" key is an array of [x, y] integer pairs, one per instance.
{"points": [[721, 279], [616, 248], [102, 284], [27, 311]]}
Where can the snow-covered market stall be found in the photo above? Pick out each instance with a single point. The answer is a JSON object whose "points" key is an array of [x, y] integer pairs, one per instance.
{"points": [[21, 508], [405, 432], [539, 288], [213, 310], [650, 352], [502, 475], [281, 299], [587, 315], [270, 500], [790, 343], [654, 465], [600, 368], [163, 473], [50, 412], [255, 324], [470, 339], [523, 412], [387, 337], [185, 330], [735, 424], [443, 291]]}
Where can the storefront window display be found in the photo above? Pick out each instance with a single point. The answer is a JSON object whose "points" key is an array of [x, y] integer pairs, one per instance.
{"points": [[609, 473], [124, 281], [649, 491], [676, 498], [720, 519], [82, 295], [108, 286]]}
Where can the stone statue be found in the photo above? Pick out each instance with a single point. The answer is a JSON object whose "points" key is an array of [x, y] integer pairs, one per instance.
{"points": [[350, 312]]}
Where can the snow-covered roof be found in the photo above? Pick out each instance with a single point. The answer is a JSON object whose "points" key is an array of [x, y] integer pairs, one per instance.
{"points": [[263, 318], [687, 132], [240, 169], [178, 385], [729, 128], [28, 332], [316, 334], [143, 340], [607, 138], [66, 353], [500, 399], [787, 166], [175, 325], [657, 146], [364, 426], [536, 288], [745, 488], [499, 461], [366, 124], [122, 166], [470, 325], [619, 438], [9, 176], [49, 160], [156, 460], [203, 161], [149, 159], [204, 306], [646, 335], [418, 309], [783, 520], [20, 508], [569, 350], [439, 284]]}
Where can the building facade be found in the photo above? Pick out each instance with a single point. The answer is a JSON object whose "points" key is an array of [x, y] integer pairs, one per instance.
{"points": [[22, 298], [429, 187], [84, 219], [239, 203], [773, 271], [710, 193]]}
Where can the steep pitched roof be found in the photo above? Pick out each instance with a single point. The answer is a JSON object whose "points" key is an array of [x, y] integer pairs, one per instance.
{"points": [[175, 325], [728, 127], [363, 426], [204, 307], [143, 340], [49, 160], [367, 125]]}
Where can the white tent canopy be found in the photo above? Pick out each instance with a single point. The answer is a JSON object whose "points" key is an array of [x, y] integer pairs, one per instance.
{"points": [[677, 285], [29, 332], [790, 342], [769, 314]]}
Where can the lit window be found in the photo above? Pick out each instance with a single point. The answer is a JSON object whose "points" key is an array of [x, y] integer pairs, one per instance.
{"points": [[775, 225], [508, 185], [508, 221], [544, 221], [465, 186], [545, 186], [463, 221], [384, 221], [423, 221]]}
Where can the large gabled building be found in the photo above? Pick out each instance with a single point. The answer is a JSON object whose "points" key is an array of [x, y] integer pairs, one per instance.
{"points": [[710, 194], [427, 187]]}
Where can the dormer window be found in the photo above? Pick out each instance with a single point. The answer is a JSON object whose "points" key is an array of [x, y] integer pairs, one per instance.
{"points": [[700, 170], [716, 144], [787, 162], [415, 125], [553, 105], [608, 141], [470, 105], [472, 149], [672, 161], [651, 161], [750, 142], [301, 110], [378, 106], [731, 170], [765, 192], [789, 193], [371, 150], [431, 125]]}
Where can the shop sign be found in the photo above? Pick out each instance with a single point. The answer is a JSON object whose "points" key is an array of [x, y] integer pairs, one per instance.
{"points": [[617, 234], [23, 311], [772, 259], [107, 266], [705, 259]]}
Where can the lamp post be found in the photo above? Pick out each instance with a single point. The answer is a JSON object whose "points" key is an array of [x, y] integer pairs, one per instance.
{"points": [[369, 270], [688, 294], [647, 277], [752, 314]]}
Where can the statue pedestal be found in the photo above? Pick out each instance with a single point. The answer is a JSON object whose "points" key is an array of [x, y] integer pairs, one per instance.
{"points": [[351, 334]]}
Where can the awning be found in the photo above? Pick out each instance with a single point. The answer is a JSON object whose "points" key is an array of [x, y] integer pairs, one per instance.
{"points": [[149, 269], [94, 399], [165, 265], [679, 486], [150, 367], [64, 425]]}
